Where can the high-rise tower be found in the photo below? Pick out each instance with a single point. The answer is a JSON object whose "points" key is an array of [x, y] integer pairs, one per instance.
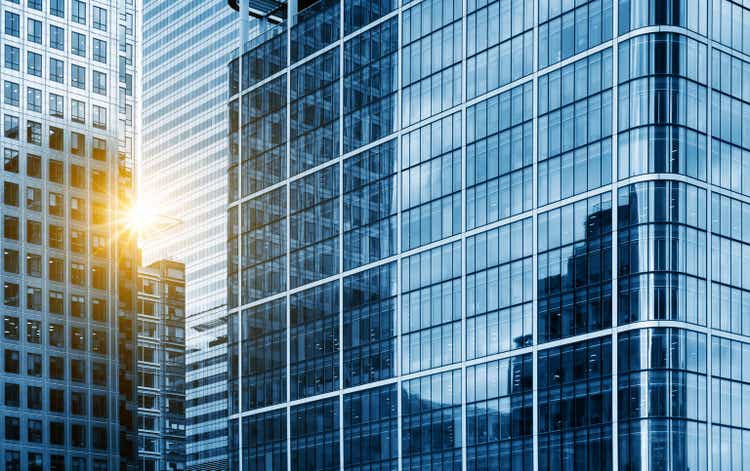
{"points": [[186, 46], [484, 234], [69, 261]]}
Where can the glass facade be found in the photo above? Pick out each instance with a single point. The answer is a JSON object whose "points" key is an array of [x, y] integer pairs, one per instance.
{"points": [[69, 266], [491, 235], [161, 366], [186, 46]]}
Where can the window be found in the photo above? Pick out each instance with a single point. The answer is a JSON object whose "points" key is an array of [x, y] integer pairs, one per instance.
{"points": [[34, 133], [10, 328], [79, 12], [56, 273], [11, 160], [57, 400], [33, 232], [99, 80], [11, 361], [12, 460], [99, 373], [10, 228], [78, 338], [99, 117], [56, 237], [78, 144], [34, 298], [56, 138], [10, 193], [33, 165], [12, 58], [10, 127], [57, 336], [56, 37], [99, 341], [57, 434], [12, 428], [99, 406], [77, 241], [34, 31], [99, 310], [11, 93], [100, 18], [34, 63], [56, 106], [78, 111], [34, 393], [56, 171], [99, 277], [11, 293], [56, 70], [34, 99], [55, 205], [99, 181], [100, 50], [35, 4], [34, 360], [56, 298], [78, 306], [56, 366], [77, 273], [77, 176], [57, 8], [12, 395], [33, 199], [78, 435], [100, 149], [78, 44], [33, 264], [78, 76], [78, 374], [12, 24], [34, 431], [10, 261]]}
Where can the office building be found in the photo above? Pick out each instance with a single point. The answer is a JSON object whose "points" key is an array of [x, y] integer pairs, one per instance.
{"points": [[186, 46], [491, 235], [161, 366], [69, 262]]}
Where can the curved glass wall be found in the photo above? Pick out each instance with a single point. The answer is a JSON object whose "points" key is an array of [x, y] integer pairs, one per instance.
{"points": [[662, 399], [662, 106], [689, 14], [661, 252]]}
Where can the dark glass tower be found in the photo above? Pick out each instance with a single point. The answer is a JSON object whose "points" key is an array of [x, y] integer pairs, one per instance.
{"points": [[471, 234]]}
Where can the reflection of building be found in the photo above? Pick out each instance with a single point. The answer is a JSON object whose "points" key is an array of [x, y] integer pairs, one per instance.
{"points": [[68, 390], [534, 180], [161, 366]]}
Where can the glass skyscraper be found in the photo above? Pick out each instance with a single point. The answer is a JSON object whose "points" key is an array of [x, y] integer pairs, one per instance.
{"points": [[186, 45], [474, 234], [68, 383]]}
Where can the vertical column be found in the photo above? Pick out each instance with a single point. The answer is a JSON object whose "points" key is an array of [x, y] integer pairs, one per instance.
{"points": [[615, 179]]}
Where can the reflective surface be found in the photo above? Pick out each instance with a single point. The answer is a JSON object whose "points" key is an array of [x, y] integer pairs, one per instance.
{"points": [[497, 227]]}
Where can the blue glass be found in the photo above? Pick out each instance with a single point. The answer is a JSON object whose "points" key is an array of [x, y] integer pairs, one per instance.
{"points": [[431, 308], [314, 434], [431, 422], [662, 399], [371, 429], [370, 205], [314, 341], [499, 289], [370, 325], [499, 415], [574, 269], [575, 406]]}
